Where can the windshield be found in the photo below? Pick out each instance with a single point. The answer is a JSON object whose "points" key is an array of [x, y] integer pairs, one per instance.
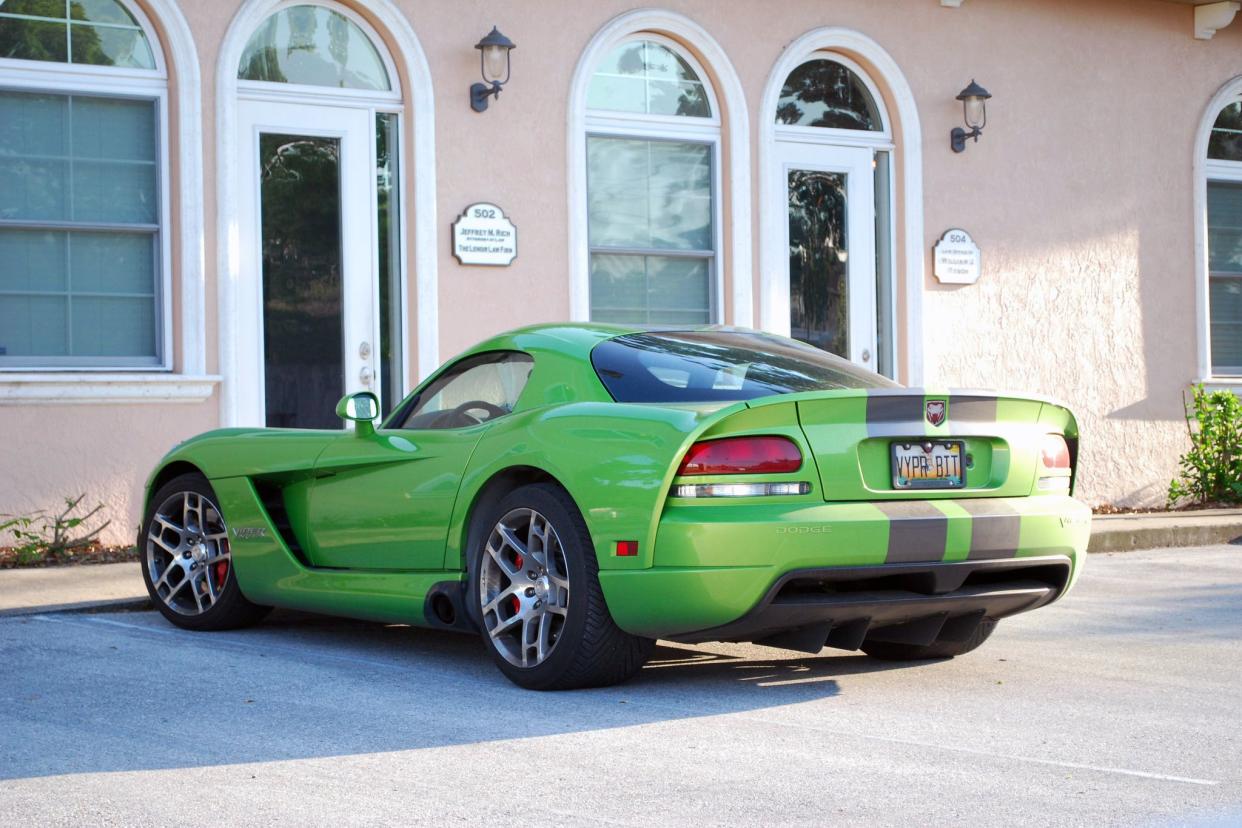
{"points": [[706, 366]]}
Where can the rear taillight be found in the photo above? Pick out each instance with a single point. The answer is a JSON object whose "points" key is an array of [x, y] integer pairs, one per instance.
{"points": [[1054, 453], [1054, 456], [742, 455]]}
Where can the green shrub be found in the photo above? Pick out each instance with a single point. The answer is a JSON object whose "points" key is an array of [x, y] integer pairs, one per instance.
{"points": [[42, 535], [1211, 472]]}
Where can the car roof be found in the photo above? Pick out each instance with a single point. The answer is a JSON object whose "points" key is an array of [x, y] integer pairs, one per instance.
{"points": [[576, 339]]}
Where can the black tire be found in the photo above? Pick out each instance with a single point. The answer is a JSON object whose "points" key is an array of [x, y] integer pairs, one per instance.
{"points": [[230, 609], [889, 651], [591, 650]]}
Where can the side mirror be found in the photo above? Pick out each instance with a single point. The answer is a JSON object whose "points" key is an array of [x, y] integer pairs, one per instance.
{"points": [[361, 409]]}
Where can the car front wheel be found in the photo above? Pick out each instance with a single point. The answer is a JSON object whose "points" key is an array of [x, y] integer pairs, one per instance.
{"points": [[536, 597], [187, 561]]}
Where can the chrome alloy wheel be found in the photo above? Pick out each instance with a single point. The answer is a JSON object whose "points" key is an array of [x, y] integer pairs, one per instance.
{"points": [[524, 587], [188, 555]]}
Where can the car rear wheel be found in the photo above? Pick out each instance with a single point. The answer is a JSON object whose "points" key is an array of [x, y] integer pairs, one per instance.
{"points": [[890, 651], [536, 598], [187, 561]]}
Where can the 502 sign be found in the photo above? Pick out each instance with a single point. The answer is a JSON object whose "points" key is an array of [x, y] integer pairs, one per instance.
{"points": [[483, 235]]}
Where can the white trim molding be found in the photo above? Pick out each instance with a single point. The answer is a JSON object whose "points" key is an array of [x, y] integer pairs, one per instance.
{"points": [[908, 219], [1212, 17], [92, 389], [735, 257], [418, 178], [1205, 169]]}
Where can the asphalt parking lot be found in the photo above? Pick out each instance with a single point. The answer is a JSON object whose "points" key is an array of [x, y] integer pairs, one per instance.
{"points": [[1119, 705]]}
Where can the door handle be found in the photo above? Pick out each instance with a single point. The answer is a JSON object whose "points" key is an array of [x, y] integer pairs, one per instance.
{"points": [[364, 350], [866, 355], [366, 375]]}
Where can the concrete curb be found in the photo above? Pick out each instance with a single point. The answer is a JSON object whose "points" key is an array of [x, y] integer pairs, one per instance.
{"points": [[113, 605], [1122, 533]]}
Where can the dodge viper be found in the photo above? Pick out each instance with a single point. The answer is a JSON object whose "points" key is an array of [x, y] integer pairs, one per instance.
{"points": [[573, 492]]}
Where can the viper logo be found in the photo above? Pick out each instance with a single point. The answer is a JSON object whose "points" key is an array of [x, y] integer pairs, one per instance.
{"points": [[935, 412]]}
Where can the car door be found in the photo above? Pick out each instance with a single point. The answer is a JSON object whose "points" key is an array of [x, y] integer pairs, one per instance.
{"points": [[384, 500]]}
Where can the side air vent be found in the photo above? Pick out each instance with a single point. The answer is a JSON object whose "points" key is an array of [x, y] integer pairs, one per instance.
{"points": [[273, 499]]}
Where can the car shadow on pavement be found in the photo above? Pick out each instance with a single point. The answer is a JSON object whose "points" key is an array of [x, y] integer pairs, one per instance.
{"points": [[127, 691]]}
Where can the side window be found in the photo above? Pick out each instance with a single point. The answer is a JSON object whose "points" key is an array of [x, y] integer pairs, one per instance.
{"points": [[476, 390]]}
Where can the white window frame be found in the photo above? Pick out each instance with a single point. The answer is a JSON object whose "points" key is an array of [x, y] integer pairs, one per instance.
{"points": [[1205, 170], [606, 123], [417, 187], [728, 122], [870, 62], [180, 375]]}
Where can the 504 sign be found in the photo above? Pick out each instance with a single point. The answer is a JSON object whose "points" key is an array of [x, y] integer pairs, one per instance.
{"points": [[483, 235]]}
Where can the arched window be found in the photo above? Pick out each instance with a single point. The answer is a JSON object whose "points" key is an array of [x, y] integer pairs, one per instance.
{"points": [[1223, 190], [83, 205], [828, 211], [314, 46], [653, 156]]}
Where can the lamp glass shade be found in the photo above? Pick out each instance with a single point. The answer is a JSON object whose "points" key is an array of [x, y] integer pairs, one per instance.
{"points": [[495, 63], [975, 110]]}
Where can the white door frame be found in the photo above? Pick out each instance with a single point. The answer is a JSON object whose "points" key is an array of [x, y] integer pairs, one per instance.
{"points": [[856, 164], [359, 285]]}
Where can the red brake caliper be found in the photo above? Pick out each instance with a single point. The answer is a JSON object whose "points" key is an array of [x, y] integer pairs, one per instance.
{"points": [[222, 569], [514, 602]]}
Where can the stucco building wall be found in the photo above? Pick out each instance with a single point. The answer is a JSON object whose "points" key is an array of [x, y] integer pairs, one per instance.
{"points": [[1079, 194]]}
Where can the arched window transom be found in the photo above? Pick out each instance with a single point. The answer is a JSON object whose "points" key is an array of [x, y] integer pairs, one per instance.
{"points": [[313, 46], [826, 93], [647, 77]]}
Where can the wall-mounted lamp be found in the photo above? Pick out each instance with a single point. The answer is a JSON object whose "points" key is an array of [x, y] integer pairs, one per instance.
{"points": [[493, 62], [974, 100]]}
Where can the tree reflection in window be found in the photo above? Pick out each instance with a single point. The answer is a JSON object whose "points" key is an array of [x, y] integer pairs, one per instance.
{"points": [[818, 260], [824, 93], [314, 46], [649, 78], [1225, 143]]}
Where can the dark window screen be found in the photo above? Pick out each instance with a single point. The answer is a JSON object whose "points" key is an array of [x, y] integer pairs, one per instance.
{"points": [[720, 365]]}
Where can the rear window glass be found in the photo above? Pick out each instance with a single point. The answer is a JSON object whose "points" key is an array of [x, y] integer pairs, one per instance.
{"points": [[693, 366]]}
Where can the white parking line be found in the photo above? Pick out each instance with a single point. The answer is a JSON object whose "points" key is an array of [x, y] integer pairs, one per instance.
{"points": [[304, 652]]}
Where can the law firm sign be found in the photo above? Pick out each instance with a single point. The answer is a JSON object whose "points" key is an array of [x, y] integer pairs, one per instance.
{"points": [[957, 258], [483, 236]]}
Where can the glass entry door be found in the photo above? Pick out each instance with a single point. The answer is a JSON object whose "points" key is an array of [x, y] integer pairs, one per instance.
{"points": [[309, 293], [829, 196]]}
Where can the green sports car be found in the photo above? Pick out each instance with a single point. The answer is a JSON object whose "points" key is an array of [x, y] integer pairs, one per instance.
{"points": [[574, 492]]}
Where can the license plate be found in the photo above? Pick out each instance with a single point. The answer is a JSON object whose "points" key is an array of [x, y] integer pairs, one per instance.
{"points": [[931, 464]]}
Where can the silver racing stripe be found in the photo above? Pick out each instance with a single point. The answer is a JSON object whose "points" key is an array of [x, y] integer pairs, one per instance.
{"points": [[995, 526], [917, 531]]}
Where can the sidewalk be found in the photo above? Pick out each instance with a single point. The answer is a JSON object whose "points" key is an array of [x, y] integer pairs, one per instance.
{"points": [[119, 586], [67, 588]]}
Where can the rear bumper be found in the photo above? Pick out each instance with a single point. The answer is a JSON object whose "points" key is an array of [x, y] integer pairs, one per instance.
{"points": [[724, 572], [907, 603]]}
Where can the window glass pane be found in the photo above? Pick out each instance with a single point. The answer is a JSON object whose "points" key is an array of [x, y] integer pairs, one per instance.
{"points": [[823, 93], [101, 11], [642, 289], [1225, 142], [648, 78], [112, 263], [1225, 275], [885, 341], [86, 293], [315, 46], [110, 46], [32, 39], [649, 194], [719, 365], [117, 41], [33, 325], [475, 391], [818, 260], [303, 327], [389, 232], [112, 326]]}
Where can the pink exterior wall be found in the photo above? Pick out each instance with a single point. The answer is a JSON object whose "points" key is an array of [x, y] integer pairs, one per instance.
{"points": [[1079, 194]]}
